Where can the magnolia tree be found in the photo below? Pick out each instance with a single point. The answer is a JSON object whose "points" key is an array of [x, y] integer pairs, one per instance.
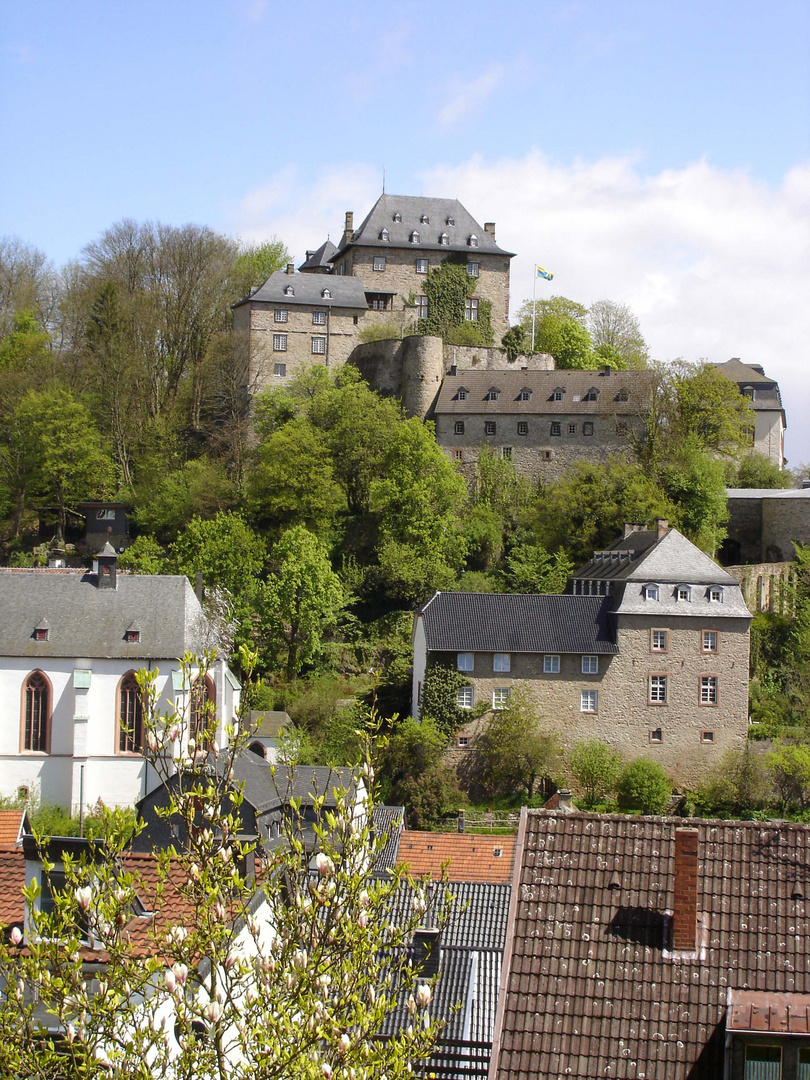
{"points": [[288, 972]]}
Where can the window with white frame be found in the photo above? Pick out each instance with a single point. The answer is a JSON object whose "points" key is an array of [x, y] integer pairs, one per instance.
{"points": [[551, 664], [716, 594], [589, 701], [319, 346], [415, 237], [279, 342], [651, 591], [444, 239], [525, 394], [472, 269], [502, 661], [464, 661], [500, 697], [280, 370], [422, 266], [458, 455], [289, 290], [572, 429], [590, 665], [492, 394], [708, 689], [424, 220], [463, 740], [659, 640], [462, 393], [473, 241], [421, 304], [280, 315], [658, 689], [379, 262], [326, 294], [683, 592], [558, 394], [384, 234], [523, 427], [458, 427], [465, 697], [709, 641], [556, 429], [489, 427], [319, 318], [656, 735], [471, 309], [506, 451]]}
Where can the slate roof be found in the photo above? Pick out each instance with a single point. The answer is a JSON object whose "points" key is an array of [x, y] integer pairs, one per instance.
{"points": [[767, 396], [590, 989], [87, 621], [466, 856], [768, 493], [347, 292], [411, 208], [319, 259], [542, 384], [517, 623], [269, 723], [388, 821]]}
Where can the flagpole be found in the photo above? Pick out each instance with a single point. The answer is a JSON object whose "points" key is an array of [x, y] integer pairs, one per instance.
{"points": [[534, 303]]}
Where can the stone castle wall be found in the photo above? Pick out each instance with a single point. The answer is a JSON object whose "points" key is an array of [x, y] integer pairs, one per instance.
{"points": [[767, 586]]}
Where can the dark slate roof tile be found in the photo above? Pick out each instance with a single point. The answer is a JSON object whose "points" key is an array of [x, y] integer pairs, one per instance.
{"points": [[347, 292], [542, 384], [516, 623]]}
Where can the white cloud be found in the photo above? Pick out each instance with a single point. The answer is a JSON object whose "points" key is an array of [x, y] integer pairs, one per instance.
{"points": [[714, 263], [468, 95]]}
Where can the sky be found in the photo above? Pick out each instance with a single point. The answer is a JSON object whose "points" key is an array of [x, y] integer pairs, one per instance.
{"points": [[652, 153]]}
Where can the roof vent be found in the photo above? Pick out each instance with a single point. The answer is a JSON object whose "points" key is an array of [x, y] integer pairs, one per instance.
{"points": [[615, 880], [796, 891]]}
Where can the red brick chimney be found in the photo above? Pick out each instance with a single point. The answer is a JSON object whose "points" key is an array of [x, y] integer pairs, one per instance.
{"points": [[684, 913]]}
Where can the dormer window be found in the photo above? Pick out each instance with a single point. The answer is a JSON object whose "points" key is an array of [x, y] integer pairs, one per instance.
{"points": [[525, 394], [424, 220], [415, 237], [462, 393], [289, 291], [444, 239], [651, 591], [41, 631], [384, 235], [748, 392], [397, 216], [473, 240], [716, 594], [132, 636], [327, 294], [592, 395], [493, 394], [558, 394], [622, 395], [683, 592]]}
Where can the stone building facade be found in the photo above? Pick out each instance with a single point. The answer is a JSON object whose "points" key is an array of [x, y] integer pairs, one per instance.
{"points": [[403, 237], [764, 524], [296, 320], [648, 653], [765, 399], [543, 420]]}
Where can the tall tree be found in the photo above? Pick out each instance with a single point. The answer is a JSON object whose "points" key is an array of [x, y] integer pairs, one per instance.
{"points": [[615, 330], [27, 283]]}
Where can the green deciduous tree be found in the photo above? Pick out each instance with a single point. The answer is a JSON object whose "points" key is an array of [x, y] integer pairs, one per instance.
{"points": [[616, 334], [226, 551], [595, 767], [531, 569], [514, 752], [757, 471], [789, 766], [643, 785], [145, 555], [199, 488], [300, 602]]}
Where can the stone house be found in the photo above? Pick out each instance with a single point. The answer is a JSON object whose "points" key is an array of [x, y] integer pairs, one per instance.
{"points": [[295, 320], [657, 948], [71, 642], [543, 420], [648, 652], [764, 524], [765, 398], [403, 237]]}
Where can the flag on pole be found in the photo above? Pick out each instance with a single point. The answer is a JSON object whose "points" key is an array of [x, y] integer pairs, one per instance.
{"points": [[544, 273]]}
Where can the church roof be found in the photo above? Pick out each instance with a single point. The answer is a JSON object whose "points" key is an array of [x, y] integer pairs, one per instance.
{"points": [[402, 215]]}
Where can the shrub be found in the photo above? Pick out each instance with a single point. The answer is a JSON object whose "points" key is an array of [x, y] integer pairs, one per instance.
{"points": [[643, 785], [380, 331], [595, 767]]}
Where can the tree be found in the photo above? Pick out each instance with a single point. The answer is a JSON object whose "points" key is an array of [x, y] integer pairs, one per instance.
{"points": [[143, 556], [531, 569], [695, 482], [199, 488], [643, 785], [615, 332], [514, 754], [439, 702], [737, 786], [62, 445], [300, 602], [757, 471], [255, 263], [567, 340], [237, 977], [789, 766], [595, 767], [27, 283], [515, 342], [415, 774], [709, 408], [226, 551]]}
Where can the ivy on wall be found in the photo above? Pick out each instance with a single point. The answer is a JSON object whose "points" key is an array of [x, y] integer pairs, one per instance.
{"points": [[448, 288]]}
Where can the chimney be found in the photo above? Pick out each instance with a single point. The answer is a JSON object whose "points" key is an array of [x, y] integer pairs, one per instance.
{"points": [[565, 802], [489, 228], [454, 369], [684, 909], [661, 527], [106, 567], [630, 528], [606, 370], [198, 585], [290, 268], [426, 951], [348, 231]]}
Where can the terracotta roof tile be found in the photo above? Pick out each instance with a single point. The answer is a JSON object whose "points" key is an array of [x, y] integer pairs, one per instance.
{"points": [[10, 826], [468, 857], [591, 988]]}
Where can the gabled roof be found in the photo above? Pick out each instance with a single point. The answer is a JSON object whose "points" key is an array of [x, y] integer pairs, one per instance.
{"points": [[13, 823], [87, 621], [517, 623], [767, 396], [591, 989], [464, 856], [388, 822], [542, 384], [319, 259], [347, 292], [411, 209]]}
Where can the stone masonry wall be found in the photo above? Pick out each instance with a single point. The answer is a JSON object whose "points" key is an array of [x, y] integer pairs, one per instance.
{"points": [[767, 586], [338, 335], [537, 455], [783, 522], [625, 719]]}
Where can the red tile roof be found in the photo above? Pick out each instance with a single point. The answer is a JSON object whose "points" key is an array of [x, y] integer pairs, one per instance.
{"points": [[10, 826], [468, 857], [12, 882], [591, 988]]}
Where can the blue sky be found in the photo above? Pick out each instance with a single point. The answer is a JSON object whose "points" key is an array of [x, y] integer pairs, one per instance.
{"points": [[653, 153]]}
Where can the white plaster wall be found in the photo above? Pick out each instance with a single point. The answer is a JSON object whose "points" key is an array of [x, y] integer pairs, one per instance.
{"points": [[419, 663]]}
